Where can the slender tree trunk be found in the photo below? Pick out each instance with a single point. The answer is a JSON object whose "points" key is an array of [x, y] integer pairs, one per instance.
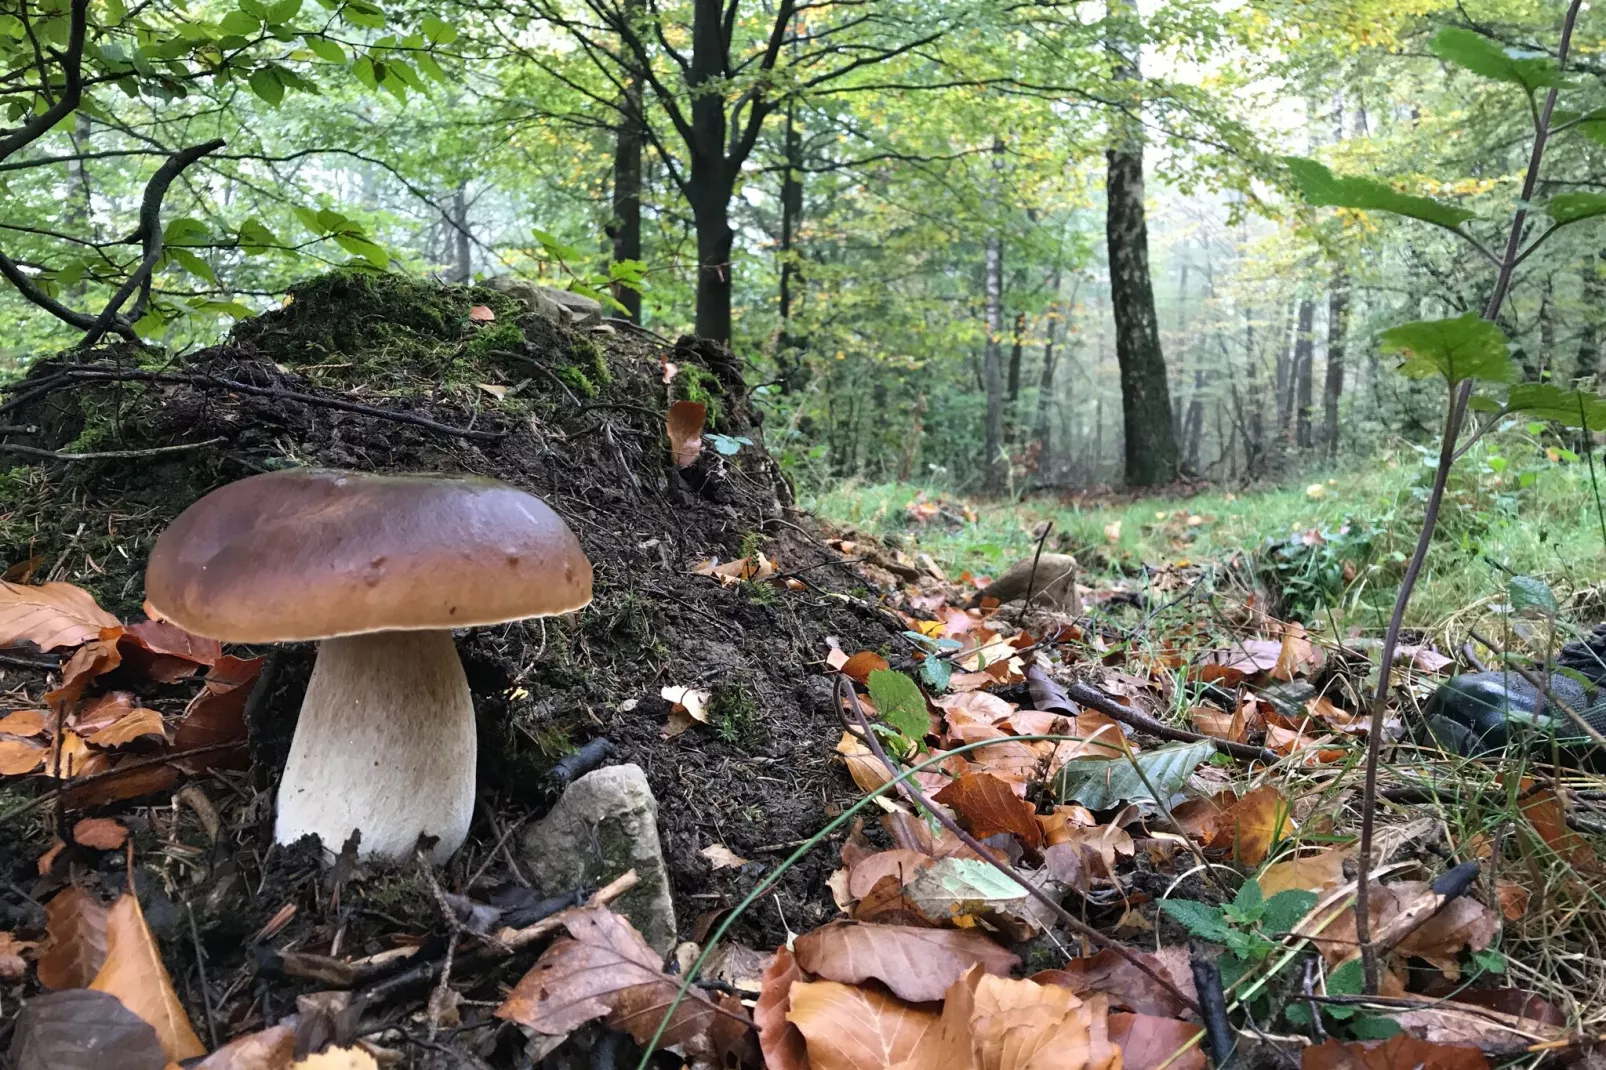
{"points": [[911, 442], [465, 261], [1285, 375], [711, 180], [788, 345], [1333, 387], [994, 463], [1045, 382], [626, 230], [1017, 345], [1591, 354], [1150, 444], [1304, 361]]}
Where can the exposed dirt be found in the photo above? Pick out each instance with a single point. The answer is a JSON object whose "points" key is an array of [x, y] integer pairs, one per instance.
{"points": [[581, 426]]}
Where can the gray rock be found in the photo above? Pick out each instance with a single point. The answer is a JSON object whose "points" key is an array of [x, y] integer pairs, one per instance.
{"points": [[606, 823], [550, 303]]}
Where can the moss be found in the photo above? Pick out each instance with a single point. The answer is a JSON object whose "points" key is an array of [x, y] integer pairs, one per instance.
{"points": [[578, 381], [491, 338], [587, 353], [696, 383], [735, 715]]}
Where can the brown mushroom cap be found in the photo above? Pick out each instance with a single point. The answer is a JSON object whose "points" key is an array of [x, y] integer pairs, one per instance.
{"points": [[313, 553]]}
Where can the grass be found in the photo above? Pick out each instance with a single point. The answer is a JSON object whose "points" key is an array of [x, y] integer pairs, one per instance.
{"points": [[1517, 504]]}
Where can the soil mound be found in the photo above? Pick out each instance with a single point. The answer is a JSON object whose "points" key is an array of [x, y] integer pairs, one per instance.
{"points": [[382, 374]]}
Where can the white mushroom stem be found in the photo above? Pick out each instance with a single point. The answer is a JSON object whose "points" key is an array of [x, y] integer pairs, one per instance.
{"points": [[385, 744]]}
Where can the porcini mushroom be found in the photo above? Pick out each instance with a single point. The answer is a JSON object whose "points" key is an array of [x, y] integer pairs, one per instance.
{"points": [[378, 569]]}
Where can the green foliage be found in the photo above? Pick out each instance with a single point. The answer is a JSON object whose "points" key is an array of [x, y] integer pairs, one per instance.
{"points": [[1475, 52], [1310, 570], [900, 704], [1466, 347], [1574, 207], [1103, 783], [1323, 188], [1569, 408]]}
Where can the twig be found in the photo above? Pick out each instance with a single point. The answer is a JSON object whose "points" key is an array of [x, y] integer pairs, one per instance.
{"points": [[844, 689], [438, 998], [121, 770], [1031, 577], [107, 455], [200, 970], [1096, 699], [21, 662]]}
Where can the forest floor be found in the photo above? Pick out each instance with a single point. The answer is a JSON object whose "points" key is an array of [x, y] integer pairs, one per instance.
{"points": [[851, 928]]}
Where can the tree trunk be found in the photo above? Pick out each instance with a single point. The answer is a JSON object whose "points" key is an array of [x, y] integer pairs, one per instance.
{"points": [[1016, 346], [1304, 359], [626, 230], [464, 271], [1285, 375], [712, 179], [1333, 387], [788, 346], [994, 462], [1045, 383], [1150, 445], [1591, 354]]}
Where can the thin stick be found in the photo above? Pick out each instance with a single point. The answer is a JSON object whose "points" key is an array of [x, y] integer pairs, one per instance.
{"points": [[1088, 696], [108, 455], [916, 796], [1441, 475], [200, 970]]}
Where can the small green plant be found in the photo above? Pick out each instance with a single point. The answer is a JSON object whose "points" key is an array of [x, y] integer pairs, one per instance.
{"points": [[1311, 569], [735, 715], [902, 708]]}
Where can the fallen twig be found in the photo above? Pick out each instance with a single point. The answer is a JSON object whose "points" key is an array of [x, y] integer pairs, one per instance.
{"points": [[107, 455], [1098, 700]]}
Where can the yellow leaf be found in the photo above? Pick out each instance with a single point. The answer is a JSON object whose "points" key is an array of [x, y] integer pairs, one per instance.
{"points": [[133, 972]]}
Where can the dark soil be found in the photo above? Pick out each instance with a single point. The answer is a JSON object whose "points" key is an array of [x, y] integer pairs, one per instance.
{"points": [[582, 427]]}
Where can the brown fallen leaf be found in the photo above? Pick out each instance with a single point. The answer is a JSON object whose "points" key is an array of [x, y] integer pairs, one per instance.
{"points": [[604, 969], [1112, 975], [337, 1059], [75, 939], [684, 424], [779, 1040], [88, 662], [1513, 899], [1021, 1025], [687, 706], [18, 757], [1435, 930], [900, 863], [721, 857], [1294, 653], [139, 723], [1319, 873], [162, 651], [82, 1030], [273, 1048], [1148, 1042], [989, 806], [917, 964], [1547, 816], [129, 778], [217, 714], [848, 1028], [1394, 1053], [50, 615], [1252, 824], [12, 950], [24, 723], [133, 972], [1219, 724], [863, 766], [861, 665], [101, 833]]}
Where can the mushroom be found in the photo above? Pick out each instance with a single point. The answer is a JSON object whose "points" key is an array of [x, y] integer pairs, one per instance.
{"points": [[378, 569]]}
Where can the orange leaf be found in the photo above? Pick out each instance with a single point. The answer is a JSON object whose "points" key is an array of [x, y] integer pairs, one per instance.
{"points": [[164, 652], [1148, 1042], [916, 964], [24, 723], [1319, 873], [1294, 653], [780, 1041], [991, 806], [101, 833], [862, 664], [685, 421], [217, 714], [1212, 722], [898, 863], [21, 756], [133, 972], [88, 662], [75, 943], [271, 1049], [1113, 975], [863, 766], [1548, 817], [12, 965], [137, 724], [1253, 824], [1400, 1050], [848, 1028], [50, 615], [1022, 1025], [118, 784]]}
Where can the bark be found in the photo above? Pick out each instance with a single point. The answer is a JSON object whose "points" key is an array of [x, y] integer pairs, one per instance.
{"points": [[788, 346], [1591, 354], [1304, 358], [1333, 386], [911, 443], [1041, 433], [628, 140], [1150, 444], [994, 462], [1285, 375], [464, 270], [1016, 352]]}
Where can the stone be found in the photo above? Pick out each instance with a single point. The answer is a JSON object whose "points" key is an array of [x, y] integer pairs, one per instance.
{"points": [[562, 307], [605, 823]]}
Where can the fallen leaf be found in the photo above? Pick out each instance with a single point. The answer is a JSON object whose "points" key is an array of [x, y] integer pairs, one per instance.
{"points": [[1101, 784], [88, 662], [1319, 873], [217, 714], [1088, 852], [133, 972], [916, 964], [50, 615], [604, 969], [1395, 1053], [864, 767], [75, 939], [1113, 975], [270, 1049], [1513, 899], [1148, 1042], [114, 784], [70, 757], [1218, 724], [1022, 1025], [987, 806], [687, 706], [138, 723], [1548, 818], [100, 833], [669, 368], [721, 857], [164, 652], [337, 1059], [12, 964], [1293, 653], [952, 889], [684, 423], [780, 1041], [24, 723], [847, 1028], [900, 863], [19, 757], [496, 390], [83, 1030], [481, 314], [1253, 824]]}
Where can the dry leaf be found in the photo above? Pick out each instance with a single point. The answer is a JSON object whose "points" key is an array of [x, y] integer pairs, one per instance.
{"points": [[1220, 725], [50, 615], [604, 969], [217, 714], [164, 652], [1113, 975], [862, 664], [1513, 899], [19, 757], [898, 863], [1252, 824], [138, 723], [24, 723], [779, 1040], [1319, 873], [270, 1049], [133, 972], [337, 1059], [989, 806], [687, 706], [1294, 653], [684, 423], [847, 1028], [864, 767], [721, 857], [1148, 1042], [75, 939], [916, 964], [88, 662], [12, 965], [82, 1030], [496, 390], [101, 833], [1395, 1053], [115, 784], [1021, 1025]]}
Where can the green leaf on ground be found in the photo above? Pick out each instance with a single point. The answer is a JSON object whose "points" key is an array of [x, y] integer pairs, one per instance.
{"points": [[961, 887], [1102, 784], [1200, 919], [899, 702]]}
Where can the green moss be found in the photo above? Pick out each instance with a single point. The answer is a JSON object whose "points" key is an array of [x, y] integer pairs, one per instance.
{"points": [[587, 353], [578, 381], [491, 338], [735, 715], [696, 383]]}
